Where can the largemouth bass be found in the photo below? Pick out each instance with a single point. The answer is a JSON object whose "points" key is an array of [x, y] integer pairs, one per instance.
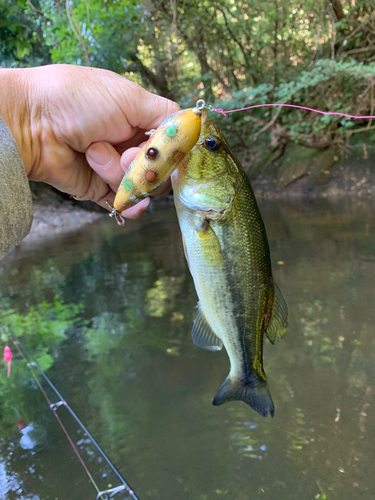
{"points": [[157, 159], [227, 251]]}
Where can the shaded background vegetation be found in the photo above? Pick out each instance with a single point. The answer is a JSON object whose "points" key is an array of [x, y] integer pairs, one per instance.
{"points": [[319, 53]]}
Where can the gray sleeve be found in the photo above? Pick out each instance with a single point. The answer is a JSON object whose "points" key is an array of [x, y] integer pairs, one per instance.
{"points": [[16, 213]]}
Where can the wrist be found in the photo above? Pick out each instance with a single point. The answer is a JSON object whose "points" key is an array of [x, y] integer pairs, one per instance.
{"points": [[18, 112]]}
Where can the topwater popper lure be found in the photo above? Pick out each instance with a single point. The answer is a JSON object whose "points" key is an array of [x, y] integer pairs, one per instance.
{"points": [[158, 158]]}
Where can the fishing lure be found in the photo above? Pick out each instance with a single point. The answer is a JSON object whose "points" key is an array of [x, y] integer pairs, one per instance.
{"points": [[8, 357], [158, 158], [167, 145]]}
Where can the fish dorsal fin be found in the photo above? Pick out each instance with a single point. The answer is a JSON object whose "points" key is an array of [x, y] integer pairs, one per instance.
{"points": [[202, 333], [279, 321]]}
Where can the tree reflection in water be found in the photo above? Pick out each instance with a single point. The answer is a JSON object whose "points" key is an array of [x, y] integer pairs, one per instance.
{"points": [[117, 344]]}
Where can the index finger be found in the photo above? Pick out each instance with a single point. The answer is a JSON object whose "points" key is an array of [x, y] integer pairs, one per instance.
{"points": [[145, 110]]}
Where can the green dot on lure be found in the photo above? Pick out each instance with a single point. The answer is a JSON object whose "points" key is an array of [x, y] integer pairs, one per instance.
{"points": [[171, 130], [128, 185]]}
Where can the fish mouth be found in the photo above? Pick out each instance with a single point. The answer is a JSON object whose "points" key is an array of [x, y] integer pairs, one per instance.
{"points": [[209, 127]]}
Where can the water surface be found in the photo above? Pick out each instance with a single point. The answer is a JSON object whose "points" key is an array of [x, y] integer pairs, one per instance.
{"points": [[111, 326]]}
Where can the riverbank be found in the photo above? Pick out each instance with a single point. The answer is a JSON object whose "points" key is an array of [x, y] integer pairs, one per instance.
{"points": [[298, 173], [55, 213], [302, 172]]}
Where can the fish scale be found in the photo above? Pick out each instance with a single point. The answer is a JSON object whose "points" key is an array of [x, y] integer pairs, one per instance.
{"points": [[227, 251]]}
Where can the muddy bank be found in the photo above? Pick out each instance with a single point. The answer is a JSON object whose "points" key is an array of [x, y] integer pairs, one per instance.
{"points": [[298, 173], [309, 173], [55, 213]]}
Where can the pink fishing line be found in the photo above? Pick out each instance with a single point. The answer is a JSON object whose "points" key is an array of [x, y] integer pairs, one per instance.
{"points": [[295, 106]]}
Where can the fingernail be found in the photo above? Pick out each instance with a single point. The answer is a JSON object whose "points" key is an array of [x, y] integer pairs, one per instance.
{"points": [[100, 155], [137, 209], [144, 203]]}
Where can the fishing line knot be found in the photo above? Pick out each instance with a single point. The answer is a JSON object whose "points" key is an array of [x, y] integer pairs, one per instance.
{"points": [[201, 104]]}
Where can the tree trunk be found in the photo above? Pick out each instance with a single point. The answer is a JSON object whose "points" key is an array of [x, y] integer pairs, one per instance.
{"points": [[205, 68], [337, 9], [159, 83], [276, 45]]}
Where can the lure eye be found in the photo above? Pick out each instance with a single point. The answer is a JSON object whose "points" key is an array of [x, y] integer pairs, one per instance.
{"points": [[212, 143], [152, 153]]}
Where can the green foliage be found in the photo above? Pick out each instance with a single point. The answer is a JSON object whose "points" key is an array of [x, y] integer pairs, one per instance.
{"points": [[233, 54], [328, 86], [41, 330], [105, 334], [22, 41], [44, 325], [160, 298]]}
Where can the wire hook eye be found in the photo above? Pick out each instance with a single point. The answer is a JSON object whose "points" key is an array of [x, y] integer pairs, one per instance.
{"points": [[200, 104]]}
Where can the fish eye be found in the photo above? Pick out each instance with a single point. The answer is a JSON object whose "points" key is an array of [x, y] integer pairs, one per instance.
{"points": [[212, 143], [152, 153]]}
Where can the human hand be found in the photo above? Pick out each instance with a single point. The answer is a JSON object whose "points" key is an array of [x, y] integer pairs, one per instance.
{"points": [[79, 128]]}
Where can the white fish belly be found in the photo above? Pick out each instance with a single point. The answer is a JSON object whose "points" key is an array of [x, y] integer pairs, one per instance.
{"points": [[213, 291]]}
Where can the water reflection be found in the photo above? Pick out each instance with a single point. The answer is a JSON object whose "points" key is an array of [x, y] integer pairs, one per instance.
{"points": [[116, 341]]}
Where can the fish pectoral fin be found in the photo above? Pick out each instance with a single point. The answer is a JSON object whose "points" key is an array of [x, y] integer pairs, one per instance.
{"points": [[279, 321], [210, 245], [202, 333]]}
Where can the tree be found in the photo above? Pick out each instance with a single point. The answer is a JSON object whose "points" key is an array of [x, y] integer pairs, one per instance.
{"points": [[22, 41]]}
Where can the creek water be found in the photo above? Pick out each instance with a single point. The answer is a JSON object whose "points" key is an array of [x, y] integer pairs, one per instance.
{"points": [[108, 311]]}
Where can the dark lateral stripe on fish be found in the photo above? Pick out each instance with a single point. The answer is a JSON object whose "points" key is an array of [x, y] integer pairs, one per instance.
{"points": [[237, 304]]}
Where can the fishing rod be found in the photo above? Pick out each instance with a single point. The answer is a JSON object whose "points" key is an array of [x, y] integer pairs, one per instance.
{"points": [[105, 494]]}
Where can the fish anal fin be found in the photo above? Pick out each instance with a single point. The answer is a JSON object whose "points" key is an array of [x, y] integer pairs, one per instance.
{"points": [[203, 335], [255, 393], [279, 320]]}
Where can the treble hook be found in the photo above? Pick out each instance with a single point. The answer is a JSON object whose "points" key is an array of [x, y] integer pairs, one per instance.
{"points": [[116, 214]]}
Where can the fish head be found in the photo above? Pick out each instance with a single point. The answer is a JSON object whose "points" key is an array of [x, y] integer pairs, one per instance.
{"points": [[208, 176], [208, 158], [167, 145]]}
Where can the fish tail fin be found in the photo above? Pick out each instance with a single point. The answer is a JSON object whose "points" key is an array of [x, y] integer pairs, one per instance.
{"points": [[255, 393]]}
